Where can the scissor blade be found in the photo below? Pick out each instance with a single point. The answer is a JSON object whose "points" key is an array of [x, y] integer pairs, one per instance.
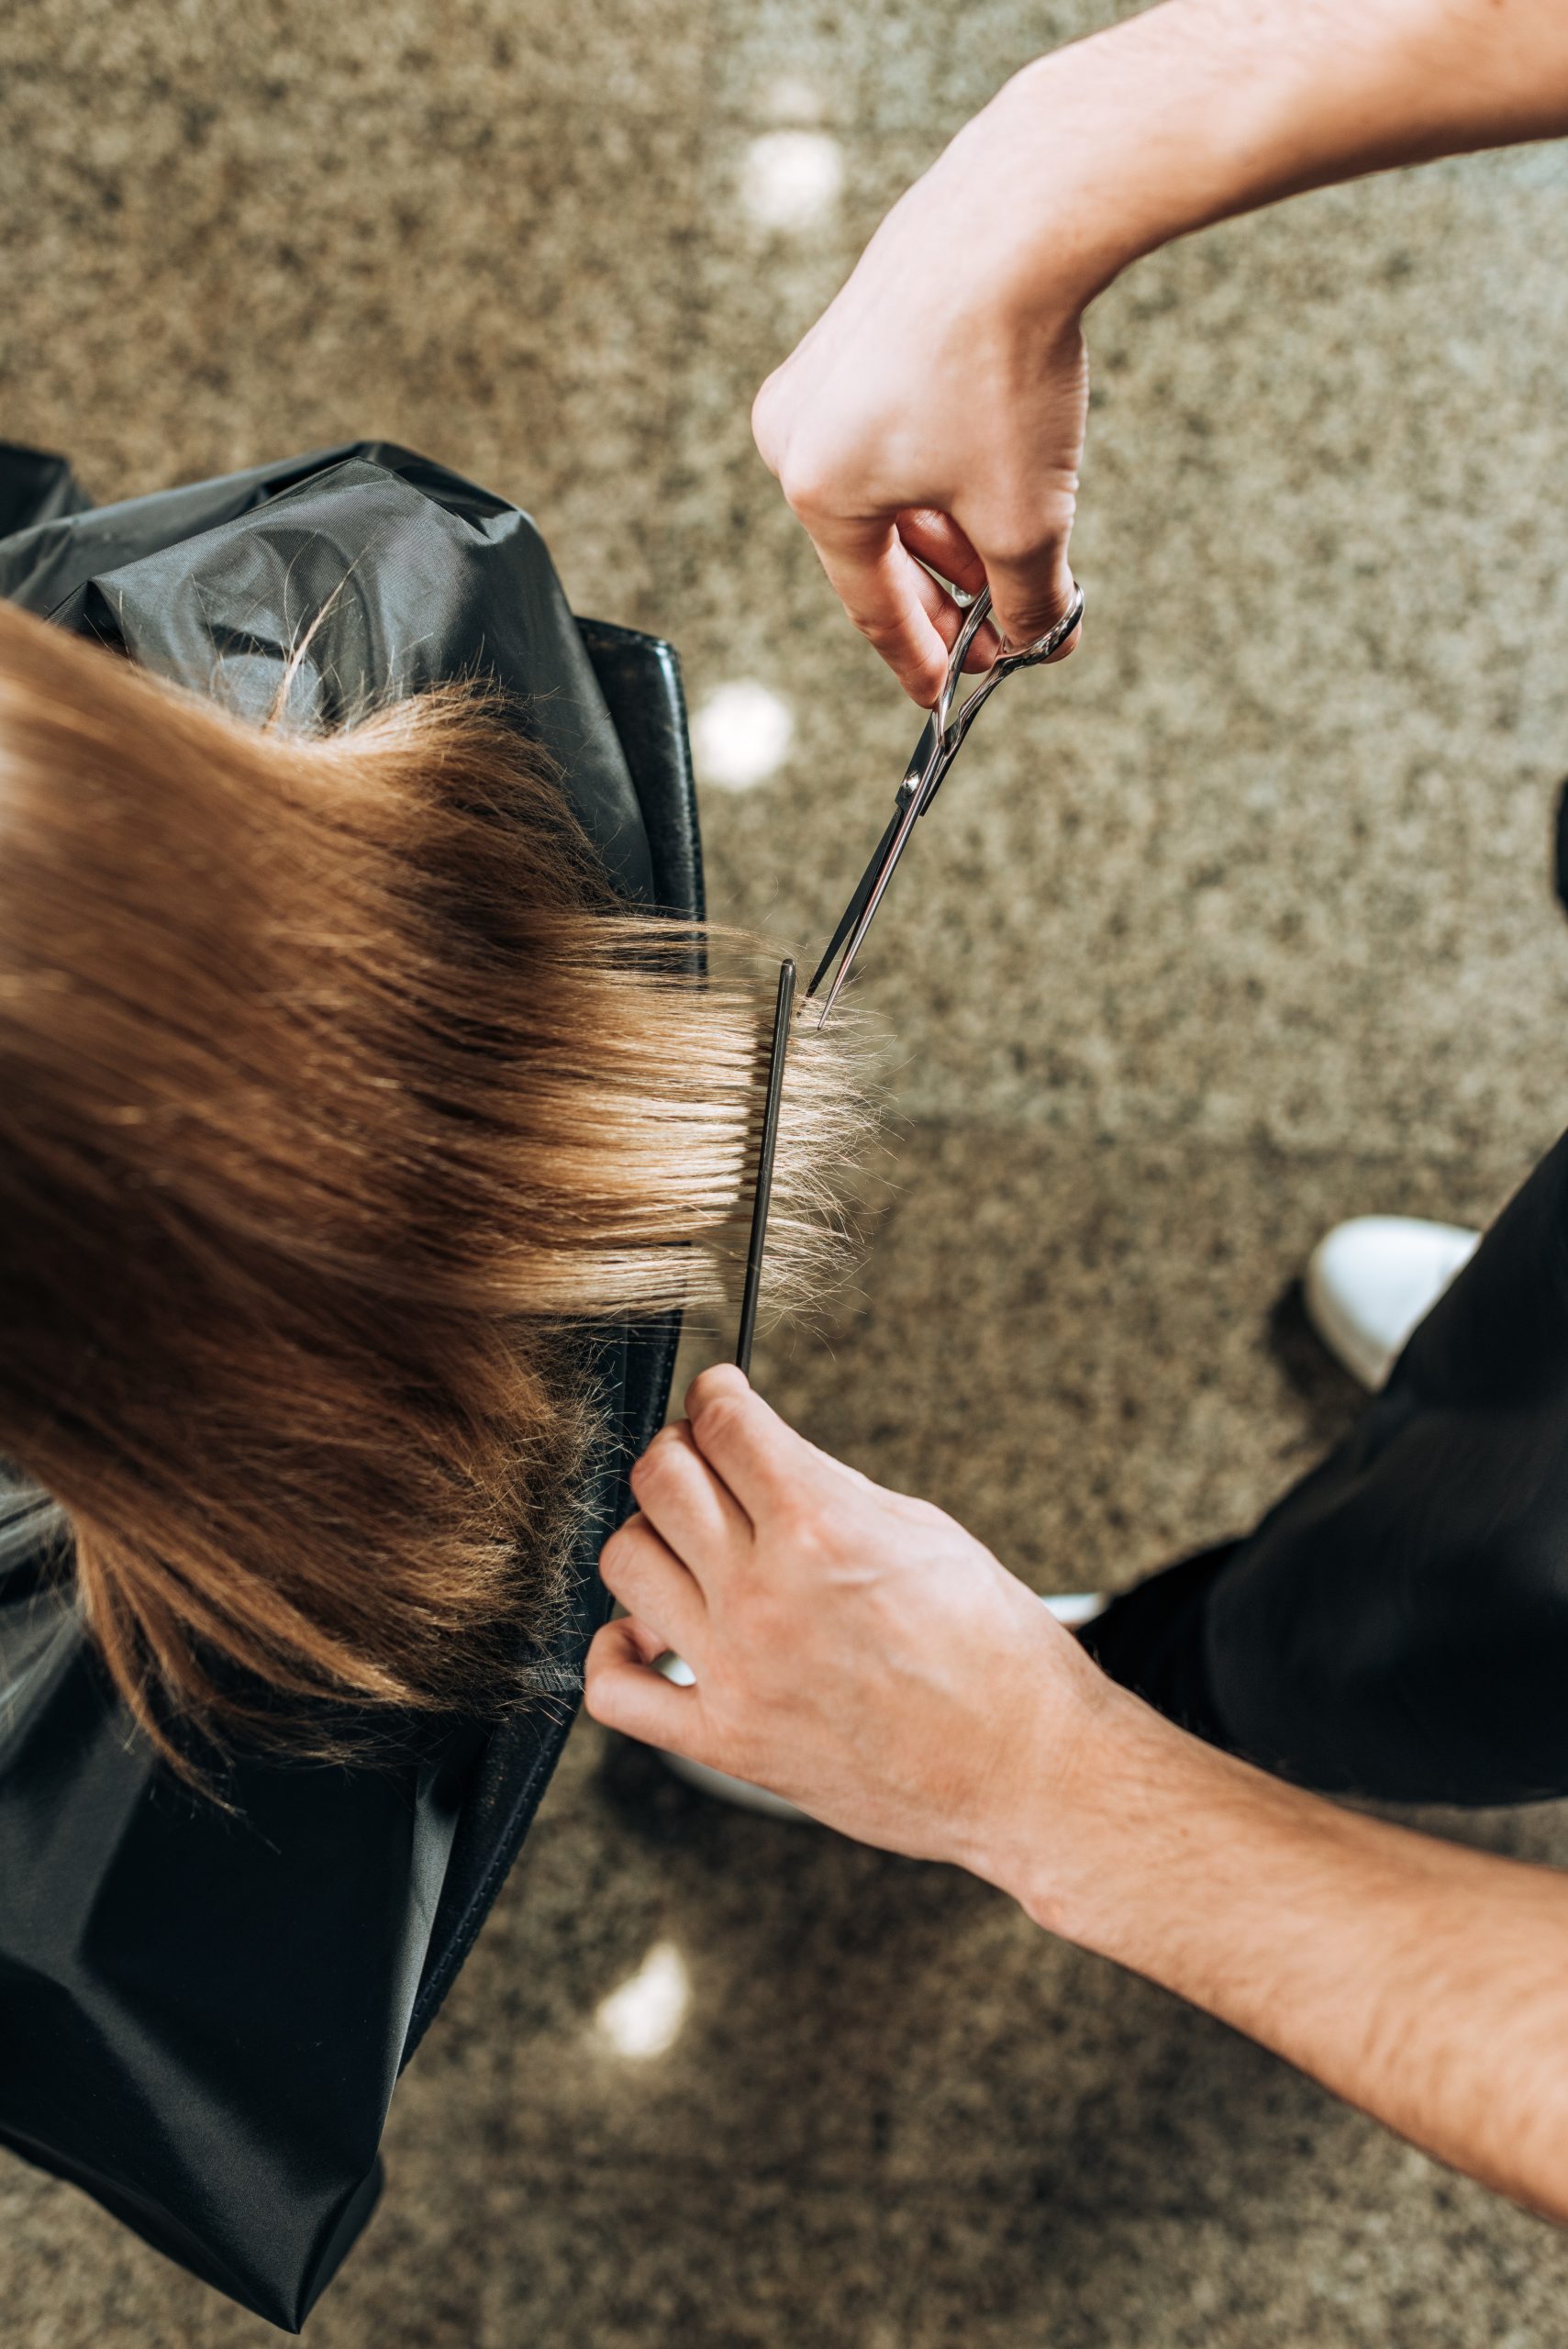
{"points": [[914, 775], [895, 841], [856, 905]]}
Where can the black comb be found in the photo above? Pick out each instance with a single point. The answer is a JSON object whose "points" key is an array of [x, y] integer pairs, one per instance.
{"points": [[765, 1150]]}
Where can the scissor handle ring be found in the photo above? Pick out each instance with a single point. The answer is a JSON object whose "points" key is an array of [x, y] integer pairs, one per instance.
{"points": [[1052, 642], [1006, 661]]}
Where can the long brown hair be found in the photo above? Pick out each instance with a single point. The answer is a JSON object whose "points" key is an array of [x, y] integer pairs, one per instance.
{"points": [[336, 1093]]}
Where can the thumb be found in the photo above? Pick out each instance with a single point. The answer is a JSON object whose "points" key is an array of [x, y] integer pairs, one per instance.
{"points": [[1030, 591]]}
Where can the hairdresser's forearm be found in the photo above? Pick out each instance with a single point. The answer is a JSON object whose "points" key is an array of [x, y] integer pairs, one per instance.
{"points": [[1199, 109], [864, 1655], [1426, 1983]]}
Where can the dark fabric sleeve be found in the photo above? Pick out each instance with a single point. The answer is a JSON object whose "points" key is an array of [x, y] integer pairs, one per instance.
{"points": [[1397, 1625]]}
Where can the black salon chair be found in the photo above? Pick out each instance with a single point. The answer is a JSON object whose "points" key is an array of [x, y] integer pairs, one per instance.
{"points": [[203, 2014]]}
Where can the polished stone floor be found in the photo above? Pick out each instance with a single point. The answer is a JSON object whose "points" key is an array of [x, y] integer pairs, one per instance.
{"points": [[1239, 923]]}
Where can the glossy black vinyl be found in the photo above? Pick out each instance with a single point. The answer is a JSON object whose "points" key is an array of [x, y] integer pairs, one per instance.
{"points": [[202, 2012]]}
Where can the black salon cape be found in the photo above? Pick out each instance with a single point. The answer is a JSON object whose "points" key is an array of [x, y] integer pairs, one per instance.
{"points": [[202, 2016]]}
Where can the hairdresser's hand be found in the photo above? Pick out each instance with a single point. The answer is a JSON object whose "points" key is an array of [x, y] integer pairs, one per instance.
{"points": [[937, 406], [854, 1651], [936, 410], [860, 1654]]}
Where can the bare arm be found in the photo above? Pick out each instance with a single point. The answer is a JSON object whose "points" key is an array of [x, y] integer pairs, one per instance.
{"points": [[859, 1653], [937, 408], [1424, 1983]]}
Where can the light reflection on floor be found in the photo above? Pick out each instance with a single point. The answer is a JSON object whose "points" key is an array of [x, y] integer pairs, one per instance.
{"points": [[791, 180], [742, 734], [645, 2015]]}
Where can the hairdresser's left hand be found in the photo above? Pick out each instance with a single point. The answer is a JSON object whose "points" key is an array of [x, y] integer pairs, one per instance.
{"points": [[860, 1653], [854, 1651]]}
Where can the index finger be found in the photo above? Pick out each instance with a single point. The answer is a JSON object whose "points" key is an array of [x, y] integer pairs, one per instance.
{"points": [[754, 1453], [894, 601]]}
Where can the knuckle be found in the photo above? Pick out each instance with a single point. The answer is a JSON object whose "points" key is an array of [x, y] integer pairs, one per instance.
{"points": [[886, 630], [763, 424], [604, 1697], [617, 1557], [654, 1468], [805, 1530], [721, 1416], [810, 491], [719, 1378]]}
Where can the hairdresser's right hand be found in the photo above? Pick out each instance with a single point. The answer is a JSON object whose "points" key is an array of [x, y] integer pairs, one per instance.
{"points": [[853, 1650], [937, 407]]}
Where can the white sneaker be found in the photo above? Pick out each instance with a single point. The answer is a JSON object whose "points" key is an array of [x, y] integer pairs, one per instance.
{"points": [[1370, 1281], [1075, 1607], [1071, 1607]]}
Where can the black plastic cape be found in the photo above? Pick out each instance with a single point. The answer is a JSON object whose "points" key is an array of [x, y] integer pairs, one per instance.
{"points": [[202, 2016]]}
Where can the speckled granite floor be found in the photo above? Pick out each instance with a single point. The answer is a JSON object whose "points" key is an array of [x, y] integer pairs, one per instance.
{"points": [[1238, 924]]}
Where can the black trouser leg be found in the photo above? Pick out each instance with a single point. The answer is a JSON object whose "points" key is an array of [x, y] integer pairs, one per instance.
{"points": [[1397, 1625]]}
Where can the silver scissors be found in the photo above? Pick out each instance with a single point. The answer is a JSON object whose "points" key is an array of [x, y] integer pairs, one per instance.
{"points": [[938, 745]]}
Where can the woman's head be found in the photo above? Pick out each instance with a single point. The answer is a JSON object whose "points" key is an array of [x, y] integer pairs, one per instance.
{"points": [[337, 1093]]}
